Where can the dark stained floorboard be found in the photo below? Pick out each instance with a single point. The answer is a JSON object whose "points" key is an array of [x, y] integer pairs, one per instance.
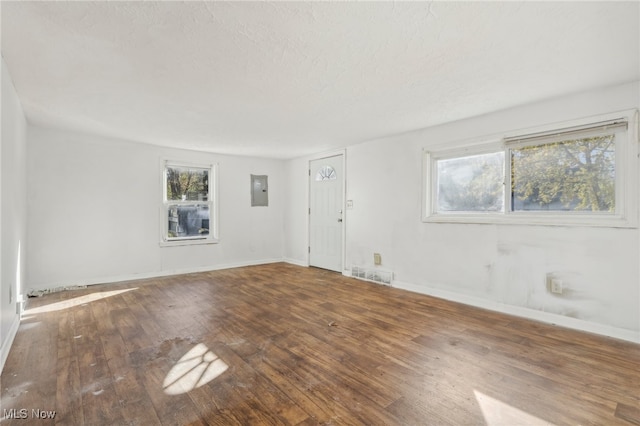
{"points": [[304, 346]]}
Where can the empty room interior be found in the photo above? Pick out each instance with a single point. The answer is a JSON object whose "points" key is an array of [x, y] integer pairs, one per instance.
{"points": [[401, 213]]}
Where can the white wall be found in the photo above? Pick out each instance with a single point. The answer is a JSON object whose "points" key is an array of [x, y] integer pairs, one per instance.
{"points": [[12, 212], [501, 267], [93, 216], [295, 211], [94, 211]]}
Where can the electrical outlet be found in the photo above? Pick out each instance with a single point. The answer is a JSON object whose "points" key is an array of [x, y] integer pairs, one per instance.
{"points": [[556, 286], [377, 259]]}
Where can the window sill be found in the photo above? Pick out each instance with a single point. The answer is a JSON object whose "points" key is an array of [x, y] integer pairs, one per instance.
{"points": [[602, 221], [189, 242]]}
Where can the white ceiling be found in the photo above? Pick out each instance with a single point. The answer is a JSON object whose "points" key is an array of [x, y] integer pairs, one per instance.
{"points": [[281, 79]]}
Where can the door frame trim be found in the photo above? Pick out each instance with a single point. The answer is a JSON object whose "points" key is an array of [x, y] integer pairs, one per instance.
{"points": [[320, 156]]}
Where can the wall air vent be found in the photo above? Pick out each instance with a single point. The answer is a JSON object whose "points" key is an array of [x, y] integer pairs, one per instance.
{"points": [[375, 275]]}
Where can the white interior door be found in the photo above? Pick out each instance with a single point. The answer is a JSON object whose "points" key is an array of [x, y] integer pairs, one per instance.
{"points": [[326, 212]]}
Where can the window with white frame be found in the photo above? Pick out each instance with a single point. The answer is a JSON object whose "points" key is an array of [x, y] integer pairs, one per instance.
{"points": [[470, 183], [584, 174], [188, 207]]}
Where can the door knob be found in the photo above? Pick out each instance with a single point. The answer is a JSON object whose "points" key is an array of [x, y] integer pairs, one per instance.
{"points": [[340, 220]]}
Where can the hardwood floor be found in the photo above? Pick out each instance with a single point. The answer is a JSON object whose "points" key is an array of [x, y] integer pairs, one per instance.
{"points": [[281, 344]]}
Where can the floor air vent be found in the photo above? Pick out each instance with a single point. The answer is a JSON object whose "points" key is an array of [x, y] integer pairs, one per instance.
{"points": [[379, 276]]}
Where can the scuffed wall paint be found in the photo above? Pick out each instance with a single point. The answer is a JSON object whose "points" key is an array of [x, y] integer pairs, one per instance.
{"points": [[503, 265]]}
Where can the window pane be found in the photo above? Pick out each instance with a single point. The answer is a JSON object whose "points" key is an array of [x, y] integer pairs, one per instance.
{"points": [[326, 173], [471, 184], [187, 183], [188, 221], [571, 175]]}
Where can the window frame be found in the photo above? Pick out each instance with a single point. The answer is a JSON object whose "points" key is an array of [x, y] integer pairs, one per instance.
{"points": [[212, 202], [626, 177], [430, 175]]}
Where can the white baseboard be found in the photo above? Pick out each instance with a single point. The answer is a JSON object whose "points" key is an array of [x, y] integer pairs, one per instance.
{"points": [[8, 341], [63, 285], [295, 262], [546, 317]]}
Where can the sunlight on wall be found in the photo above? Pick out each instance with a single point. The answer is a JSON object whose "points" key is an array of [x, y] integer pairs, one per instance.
{"points": [[497, 413], [196, 368], [77, 301]]}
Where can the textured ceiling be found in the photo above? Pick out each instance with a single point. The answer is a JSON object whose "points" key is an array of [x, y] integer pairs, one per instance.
{"points": [[280, 79]]}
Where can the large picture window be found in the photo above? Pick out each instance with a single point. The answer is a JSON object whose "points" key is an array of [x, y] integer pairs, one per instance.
{"points": [[188, 203], [583, 174]]}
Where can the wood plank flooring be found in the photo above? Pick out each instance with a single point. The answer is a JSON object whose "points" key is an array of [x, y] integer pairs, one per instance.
{"points": [[282, 344]]}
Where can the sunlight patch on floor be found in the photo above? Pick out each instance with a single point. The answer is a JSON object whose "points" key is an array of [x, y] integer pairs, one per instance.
{"points": [[76, 301], [196, 368], [498, 413]]}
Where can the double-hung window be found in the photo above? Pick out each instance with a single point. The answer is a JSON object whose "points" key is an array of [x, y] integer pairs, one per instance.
{"points": [[585, 174], [189, 204]]}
